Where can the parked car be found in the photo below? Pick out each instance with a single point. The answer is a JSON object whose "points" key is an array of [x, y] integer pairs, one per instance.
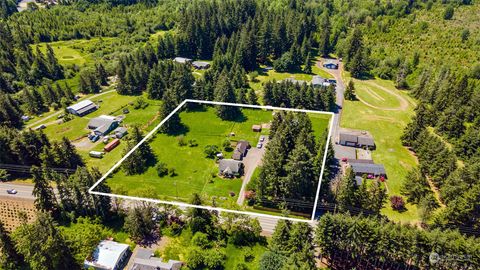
{"points": [[259, 145], [262, 138], [12, 191], [95, 138], [344, 159]]}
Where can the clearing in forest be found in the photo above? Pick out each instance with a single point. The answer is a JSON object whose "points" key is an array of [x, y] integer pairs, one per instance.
{"points": [[204, 155]]}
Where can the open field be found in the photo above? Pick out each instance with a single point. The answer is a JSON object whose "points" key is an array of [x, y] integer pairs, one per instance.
{"points": [[385, 113], [195, 172]]}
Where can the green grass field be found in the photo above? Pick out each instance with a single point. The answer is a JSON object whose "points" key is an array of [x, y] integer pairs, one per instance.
{"points": [[387, 114], [195, 172]]}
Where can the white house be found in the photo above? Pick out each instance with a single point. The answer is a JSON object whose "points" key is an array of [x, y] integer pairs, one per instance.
{"points": [[108, 255]]}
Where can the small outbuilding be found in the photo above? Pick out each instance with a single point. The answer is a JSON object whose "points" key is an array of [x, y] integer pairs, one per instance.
{"points": [[108, 255], [182, 60], [82, 108], [120, 132], [200, 65], [241, 150], [257, 128], [230, 168], [103, 124]]}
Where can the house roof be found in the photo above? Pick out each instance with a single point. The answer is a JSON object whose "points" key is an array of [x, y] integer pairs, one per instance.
{"points": [[345, 137], [102, 120], [237, 155], [200, 64], [229, 166], [317, 80], [365, 168], [358, 136], [242, 146], [122, 130], [366, 140], [82, 106], [107, 254], [182, 60], [144, 260]]}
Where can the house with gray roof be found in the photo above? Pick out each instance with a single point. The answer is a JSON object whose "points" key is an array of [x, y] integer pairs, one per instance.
{"points": [[82, 108], [369, 169], [230, 168], [144, 260], [356, 138], [241, 150], [120, 132], [182, 60], [200, 65], [103, 124]]}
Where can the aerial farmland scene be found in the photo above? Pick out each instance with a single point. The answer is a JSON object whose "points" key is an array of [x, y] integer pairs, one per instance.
{"points": [[239, 134]]}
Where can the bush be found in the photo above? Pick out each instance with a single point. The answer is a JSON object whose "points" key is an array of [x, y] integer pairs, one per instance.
{"points": [[397, 203], [448, 13], [181, 140], [210, 151], [172, 172], [200, 240], [227, 146], [192, 143], [140, 103], [162, 169], [253, 76]]}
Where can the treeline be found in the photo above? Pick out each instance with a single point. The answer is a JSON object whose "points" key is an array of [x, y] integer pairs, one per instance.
{"points": [[363, 243], [303, 96], [291, 165], [33, 148]]}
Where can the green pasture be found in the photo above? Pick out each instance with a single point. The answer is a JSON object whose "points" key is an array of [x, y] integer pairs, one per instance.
{"points": [[386, 127], [195, 172]]}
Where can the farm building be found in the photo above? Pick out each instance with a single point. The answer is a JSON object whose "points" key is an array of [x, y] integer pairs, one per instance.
{"points": [[82, 108], [241, 150], [103, 124], [108, 255], [356, 138], [182, 60], [144, 260], [120, 132], [257, 128], [230, 168], [200, 65], [368, 169], [331, 65]]}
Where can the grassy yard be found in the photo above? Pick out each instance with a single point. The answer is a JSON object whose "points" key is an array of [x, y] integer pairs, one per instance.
{"points": [[195, 172], [384, 111]]}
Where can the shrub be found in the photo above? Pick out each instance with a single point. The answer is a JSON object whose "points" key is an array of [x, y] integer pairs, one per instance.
{"points": [[192, 143], [140, 103], [200, 240], [162, 169], [253, 76], [172, 172], [181, 140], [397, 202], [448, 13], [227, 146], [211, 150]]}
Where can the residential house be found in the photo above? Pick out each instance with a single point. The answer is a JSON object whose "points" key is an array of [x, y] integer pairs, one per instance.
{"points": [[331, 65], [241, 150], [356, 138], [182, 60], [369, 169], [82, 108], [103, 124], [144, 260], [230, 168], [200, 65], [108, 255]]}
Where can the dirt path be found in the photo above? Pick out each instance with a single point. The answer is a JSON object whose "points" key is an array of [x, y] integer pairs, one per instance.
{"points": [[404, 104], [435, 192]]}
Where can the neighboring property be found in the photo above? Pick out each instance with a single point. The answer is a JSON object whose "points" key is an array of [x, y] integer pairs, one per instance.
{"points": [[108, 255], [82, 108], [230, 168], [182, 60], [120, 132], [369, 169], [200, 65], [356, 138], [144, 260], [257, 128], [241, 150], [331, 65], [103, 124]]}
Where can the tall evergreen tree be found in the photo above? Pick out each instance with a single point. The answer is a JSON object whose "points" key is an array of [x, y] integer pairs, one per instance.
{"points": [[9, 258], [225, 93]]}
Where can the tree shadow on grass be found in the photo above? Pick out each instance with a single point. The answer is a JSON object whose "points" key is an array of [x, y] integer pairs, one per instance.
{"points": [[239, 118], [181, 129]]}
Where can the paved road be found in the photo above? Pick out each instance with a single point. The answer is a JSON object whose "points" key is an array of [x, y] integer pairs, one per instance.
{"points": [[24, 190], [34, 124]]}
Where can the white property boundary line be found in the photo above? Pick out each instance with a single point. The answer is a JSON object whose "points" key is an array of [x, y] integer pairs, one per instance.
{"points": [[151, 133]]}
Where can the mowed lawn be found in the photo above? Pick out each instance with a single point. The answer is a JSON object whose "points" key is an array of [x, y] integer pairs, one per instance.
{"points": [[195, 172], [385, 117]]}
